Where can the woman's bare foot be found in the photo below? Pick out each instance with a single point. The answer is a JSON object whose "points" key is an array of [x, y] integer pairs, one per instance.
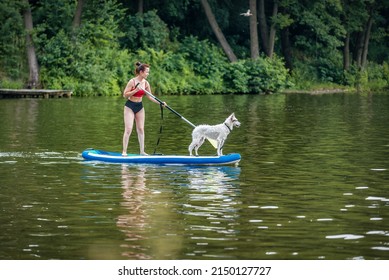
{"points": [[124, 154]]}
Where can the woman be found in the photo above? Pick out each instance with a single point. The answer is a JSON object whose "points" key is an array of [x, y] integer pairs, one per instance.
{"points": [[133, 109]]}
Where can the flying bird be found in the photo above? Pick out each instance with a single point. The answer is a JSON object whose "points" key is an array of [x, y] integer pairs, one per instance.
{"points": [[247, 14]]}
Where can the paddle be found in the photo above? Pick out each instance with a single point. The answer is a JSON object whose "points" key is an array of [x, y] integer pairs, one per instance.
{"points": [[213, 142]]}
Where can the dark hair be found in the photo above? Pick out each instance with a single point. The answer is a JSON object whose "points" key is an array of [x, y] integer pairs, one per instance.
{"points": [[140, 67]]}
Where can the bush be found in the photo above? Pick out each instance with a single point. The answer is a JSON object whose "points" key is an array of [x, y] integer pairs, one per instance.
{"points": [[85, 64], [385, 67], [236, 78], [145, 31], [266, 75], [197, 67], [208, 62], [330, 69], [373, 77], [12, 46], [376, 76], [11, 84]]}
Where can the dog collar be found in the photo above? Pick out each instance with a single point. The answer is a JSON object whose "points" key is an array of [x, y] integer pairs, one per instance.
{"points": [[228, 127]]}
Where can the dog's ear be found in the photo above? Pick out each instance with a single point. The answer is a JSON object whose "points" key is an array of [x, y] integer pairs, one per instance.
{"points": [[232, 115]]}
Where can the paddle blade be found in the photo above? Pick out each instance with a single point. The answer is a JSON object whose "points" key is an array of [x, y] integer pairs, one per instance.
{"points": [[213, 142]]}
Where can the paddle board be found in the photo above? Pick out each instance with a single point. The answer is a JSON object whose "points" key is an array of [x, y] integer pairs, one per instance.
{"points": [[100, 155]]}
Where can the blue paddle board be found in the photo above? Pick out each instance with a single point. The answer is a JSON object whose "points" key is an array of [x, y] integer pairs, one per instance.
{"points": [[100, 155]]}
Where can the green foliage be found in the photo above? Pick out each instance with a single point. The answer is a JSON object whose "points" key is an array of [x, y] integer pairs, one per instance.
{"points": [[98, 58], [207, 61], [10, 83], [373, 77], [385, 67], [12, 48], [267, 75], [200, 68], [165, 68], [205, 57], [283, 20], [330, 68], [376, 76], [361, 79], [88, 61], [81, 66], [145, 31], [236, 78], [303, 77], [263, 75], [51, 16]]}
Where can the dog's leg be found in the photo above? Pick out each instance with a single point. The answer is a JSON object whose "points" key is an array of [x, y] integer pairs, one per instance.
{"points": [[201, 142], [195, 140], [220, 144], [191, 147]]}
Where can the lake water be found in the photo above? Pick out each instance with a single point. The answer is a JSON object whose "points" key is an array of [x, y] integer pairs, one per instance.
{"points": [[313, 182]]}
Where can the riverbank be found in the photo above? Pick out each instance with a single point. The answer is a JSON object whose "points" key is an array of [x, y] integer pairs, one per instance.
{"points": [[34, 93], [318, 91]]}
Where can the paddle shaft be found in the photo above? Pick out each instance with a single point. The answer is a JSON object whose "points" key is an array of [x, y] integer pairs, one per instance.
{"points": [[169, 108], [212, 141]]}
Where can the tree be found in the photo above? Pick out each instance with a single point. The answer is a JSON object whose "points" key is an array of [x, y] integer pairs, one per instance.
{"points": [[272, 32], [77, 42], [268, 36], [254, 46], [140, 6], [263, 26], [218, 33], [366, 35], [284, 21], [352, 17], [33, 80], [77, 15], [346, 52], [358, 18], [286, 48]]}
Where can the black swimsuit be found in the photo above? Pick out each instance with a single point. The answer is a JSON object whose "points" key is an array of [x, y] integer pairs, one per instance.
{"points": [[134, 106]]}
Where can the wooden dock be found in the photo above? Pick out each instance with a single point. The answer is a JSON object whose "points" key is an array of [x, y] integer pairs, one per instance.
{"points": [[34, 93]]}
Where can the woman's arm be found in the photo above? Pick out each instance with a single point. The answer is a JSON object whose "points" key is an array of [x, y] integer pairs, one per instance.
{"points": [[130, 90], [149, 97]]}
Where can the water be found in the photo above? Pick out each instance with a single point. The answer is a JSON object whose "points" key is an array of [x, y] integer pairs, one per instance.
{"points": [[312, 184]]}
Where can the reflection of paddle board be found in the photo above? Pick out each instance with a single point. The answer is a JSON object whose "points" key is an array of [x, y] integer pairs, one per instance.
{"points": [[92, 154]]}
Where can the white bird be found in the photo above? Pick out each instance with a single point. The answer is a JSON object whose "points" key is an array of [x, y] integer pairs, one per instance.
{"points": [[247, 14]]}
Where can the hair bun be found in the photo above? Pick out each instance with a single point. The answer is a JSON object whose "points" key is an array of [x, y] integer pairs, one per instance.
{"points": [[138, 64]]}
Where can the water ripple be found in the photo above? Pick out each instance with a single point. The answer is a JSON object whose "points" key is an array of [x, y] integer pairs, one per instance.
{"points": [[384, 199], [345, 236], [381, 248]]}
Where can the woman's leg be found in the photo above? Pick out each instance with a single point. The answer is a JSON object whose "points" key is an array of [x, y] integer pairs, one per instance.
{"points": [[140, 130], [128, 124]]}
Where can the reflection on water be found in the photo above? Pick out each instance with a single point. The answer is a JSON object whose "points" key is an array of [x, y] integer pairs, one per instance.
{"points": [[134, 221], [212, 210], [206, 200]]}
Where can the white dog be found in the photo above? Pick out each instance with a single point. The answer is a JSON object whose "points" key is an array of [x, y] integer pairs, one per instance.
{"points": [[217, 132]]}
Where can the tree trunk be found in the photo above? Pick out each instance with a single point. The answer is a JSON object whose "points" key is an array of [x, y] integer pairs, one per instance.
{"points": [[359, 49], [366, 41], [286, 49], [263, 27], [219, 34], [77, 15], [254, 47], [33, 80], [346, 52], [140, 6], [272, 34]]}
